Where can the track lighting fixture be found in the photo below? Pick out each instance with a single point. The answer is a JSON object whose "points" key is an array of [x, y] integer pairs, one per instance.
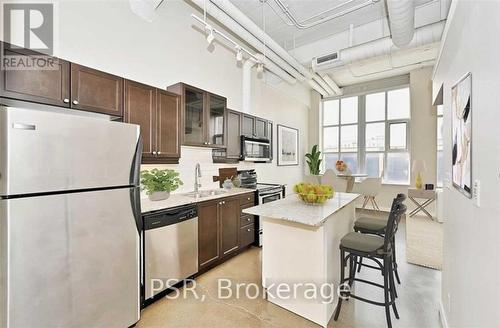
{"points": [[239, 54], [210, 34], [260, 68]]}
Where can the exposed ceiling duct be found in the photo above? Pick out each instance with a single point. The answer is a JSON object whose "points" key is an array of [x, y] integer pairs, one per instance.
{"points": [[275, 66], [264, 39], [401, 21], [320, 18], [424, 35]]}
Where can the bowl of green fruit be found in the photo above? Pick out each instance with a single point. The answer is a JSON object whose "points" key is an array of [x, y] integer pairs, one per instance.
{"points": [[313, 194]]}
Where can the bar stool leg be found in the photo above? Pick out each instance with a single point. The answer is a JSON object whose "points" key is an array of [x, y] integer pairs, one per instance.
{"points": [[394, 260], [387, 272], [342, 269], [393, 290], [360, 264]]}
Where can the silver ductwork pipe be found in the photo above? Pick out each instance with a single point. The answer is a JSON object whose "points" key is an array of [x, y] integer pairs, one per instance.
{"points": [[272, 62], [401, 21], [423, 35], [231, 10]]}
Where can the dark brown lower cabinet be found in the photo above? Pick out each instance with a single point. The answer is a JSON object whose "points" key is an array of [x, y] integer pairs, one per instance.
{"points": [[230, 221], [221, 229], [208, 233]]}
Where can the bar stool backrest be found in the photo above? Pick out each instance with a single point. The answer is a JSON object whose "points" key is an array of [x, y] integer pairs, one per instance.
{"points": [[395, 216]]}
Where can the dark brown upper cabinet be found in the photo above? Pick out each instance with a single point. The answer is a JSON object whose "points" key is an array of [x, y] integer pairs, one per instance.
{"points": [[65, 84], [203, 122], [248, 125], [168, 124], [157, 112], [261, 128], [96, 91], [233, 134], [216, 118], [140, 109], [50, 87], [239, 124]]}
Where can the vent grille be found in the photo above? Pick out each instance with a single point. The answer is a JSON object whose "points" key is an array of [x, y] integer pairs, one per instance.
{"points": [[326, 58]]}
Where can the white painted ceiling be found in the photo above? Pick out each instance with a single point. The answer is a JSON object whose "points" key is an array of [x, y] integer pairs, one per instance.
{"points": [[270, 18]]}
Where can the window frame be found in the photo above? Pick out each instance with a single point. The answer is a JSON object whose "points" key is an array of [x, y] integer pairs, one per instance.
{"points": [[361, 124]]}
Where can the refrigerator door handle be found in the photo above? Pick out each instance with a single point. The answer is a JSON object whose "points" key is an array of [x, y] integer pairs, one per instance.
{"points": [[135, 168], [135, 202]]}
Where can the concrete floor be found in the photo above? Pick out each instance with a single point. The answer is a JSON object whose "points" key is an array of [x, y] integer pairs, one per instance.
{"points": [[418, 301]]}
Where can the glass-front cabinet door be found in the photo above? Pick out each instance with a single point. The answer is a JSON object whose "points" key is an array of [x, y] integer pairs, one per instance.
{"points": [[215, 129], [194, 133]]}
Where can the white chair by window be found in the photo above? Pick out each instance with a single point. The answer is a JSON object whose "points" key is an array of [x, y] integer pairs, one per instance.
{"points": [[330, 178], [370, 188]]}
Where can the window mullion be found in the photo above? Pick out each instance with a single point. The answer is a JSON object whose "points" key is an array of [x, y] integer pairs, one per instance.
{"points": [[362, 133]]}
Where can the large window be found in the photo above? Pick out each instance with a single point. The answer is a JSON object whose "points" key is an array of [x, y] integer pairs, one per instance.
{"points": [[370, 133]]}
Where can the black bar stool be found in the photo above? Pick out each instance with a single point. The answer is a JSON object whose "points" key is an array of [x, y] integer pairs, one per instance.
{"points": [[369, 225], [379, 250]]}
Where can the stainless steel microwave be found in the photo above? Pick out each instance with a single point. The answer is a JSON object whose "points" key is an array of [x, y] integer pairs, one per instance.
{"points": [[255, 149]]}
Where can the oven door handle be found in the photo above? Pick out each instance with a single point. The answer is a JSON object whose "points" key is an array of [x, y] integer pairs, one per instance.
{"points": [[261, 196]]}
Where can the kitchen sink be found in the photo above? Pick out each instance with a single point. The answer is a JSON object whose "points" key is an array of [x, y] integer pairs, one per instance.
{"points": [[205, 193]]}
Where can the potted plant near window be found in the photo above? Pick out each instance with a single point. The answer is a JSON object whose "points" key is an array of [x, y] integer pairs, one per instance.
{"points": [[159, 183], [314, 162]]}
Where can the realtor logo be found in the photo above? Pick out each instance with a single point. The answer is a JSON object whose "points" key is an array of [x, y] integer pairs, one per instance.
{"points": [[30, 26]]}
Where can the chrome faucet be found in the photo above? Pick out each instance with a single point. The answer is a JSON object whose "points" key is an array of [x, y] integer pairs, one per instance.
{"points": [[197, 174]]}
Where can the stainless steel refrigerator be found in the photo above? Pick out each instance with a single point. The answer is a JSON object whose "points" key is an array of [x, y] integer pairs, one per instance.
{"points": [[69, 220]]}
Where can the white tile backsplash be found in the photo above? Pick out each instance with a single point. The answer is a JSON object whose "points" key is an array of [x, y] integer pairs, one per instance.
{"points": [[192, 155]]}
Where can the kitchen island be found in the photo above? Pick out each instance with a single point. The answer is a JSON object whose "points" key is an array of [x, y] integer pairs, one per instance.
{"points": [[300, 253]]}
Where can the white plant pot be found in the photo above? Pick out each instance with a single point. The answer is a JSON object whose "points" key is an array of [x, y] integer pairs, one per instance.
{"points": [[318, 178], [159, 195]]}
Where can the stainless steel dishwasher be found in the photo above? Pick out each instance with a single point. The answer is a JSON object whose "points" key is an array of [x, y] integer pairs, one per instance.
{"points": [[170, 248]]}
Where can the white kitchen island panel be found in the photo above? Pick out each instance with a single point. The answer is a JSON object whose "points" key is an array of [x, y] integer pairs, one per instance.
{"points": [[300, 255]]}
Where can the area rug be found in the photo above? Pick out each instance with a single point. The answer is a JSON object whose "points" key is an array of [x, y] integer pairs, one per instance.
{"points": [[424, 242]]}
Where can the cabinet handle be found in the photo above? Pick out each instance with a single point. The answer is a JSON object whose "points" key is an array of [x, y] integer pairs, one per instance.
{"points": [[248, 198], [154, 152], [75, 102], [224, 202], [159, 153], [220, 203], [65, 100], [249, 230], [248, 219]]}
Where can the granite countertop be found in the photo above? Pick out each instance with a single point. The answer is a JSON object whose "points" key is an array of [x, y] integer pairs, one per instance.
{"points": [[181, 199], [294, 210]]}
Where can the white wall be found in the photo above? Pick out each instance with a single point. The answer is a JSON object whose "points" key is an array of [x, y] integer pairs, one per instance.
{"points": [[471, 267], [106, 35]]}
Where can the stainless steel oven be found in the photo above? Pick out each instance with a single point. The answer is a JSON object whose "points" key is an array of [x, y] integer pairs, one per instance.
{"points": [[267, 193], [255, 149]]}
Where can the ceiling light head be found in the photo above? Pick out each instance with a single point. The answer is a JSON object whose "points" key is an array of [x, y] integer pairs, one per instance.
{"points": [[239, 54], [260, 68], [210, 34]]}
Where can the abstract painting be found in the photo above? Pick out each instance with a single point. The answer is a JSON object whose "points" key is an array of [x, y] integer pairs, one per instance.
{"points": [[461, 105], [288, 146]]}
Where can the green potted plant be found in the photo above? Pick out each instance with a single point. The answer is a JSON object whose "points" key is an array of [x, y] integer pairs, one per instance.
{"points": [[159, 183], [314, 162]]}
